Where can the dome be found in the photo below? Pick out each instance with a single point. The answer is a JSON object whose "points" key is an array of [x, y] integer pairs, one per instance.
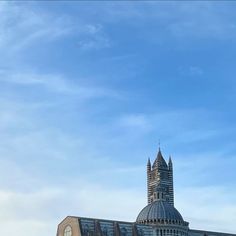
{"points": [[159, 210]]}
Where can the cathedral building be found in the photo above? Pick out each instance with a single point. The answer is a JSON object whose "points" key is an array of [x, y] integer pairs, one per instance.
{"points": [[158, 218]]}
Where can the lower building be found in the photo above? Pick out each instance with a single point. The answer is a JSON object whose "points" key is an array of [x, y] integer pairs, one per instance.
{"points": [[158, 218]]}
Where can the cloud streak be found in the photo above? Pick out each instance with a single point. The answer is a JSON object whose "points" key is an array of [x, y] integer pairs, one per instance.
{"points": [[56, 83], [23, 26], [209, 208]]}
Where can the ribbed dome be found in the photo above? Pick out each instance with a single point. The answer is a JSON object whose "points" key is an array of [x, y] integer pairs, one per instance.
{"points": [[161, 210]]}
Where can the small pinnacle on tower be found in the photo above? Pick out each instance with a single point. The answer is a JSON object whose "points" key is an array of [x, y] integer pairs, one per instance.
{"points": [[170, 162], [149, 165]]}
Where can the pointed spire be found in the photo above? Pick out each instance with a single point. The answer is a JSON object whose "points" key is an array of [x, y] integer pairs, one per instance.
{"points": [[159, 155], [170, 163], [149, 164], [160, 161]]}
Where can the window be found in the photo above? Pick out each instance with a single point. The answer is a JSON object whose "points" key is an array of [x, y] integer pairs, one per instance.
{"points": [[68, 231], [123, 231]]}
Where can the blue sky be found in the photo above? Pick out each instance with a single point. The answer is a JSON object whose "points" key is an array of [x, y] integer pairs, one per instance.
{"points": [[86, 91]]}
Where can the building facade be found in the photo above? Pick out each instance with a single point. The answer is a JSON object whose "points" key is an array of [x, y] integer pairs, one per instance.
{"points": [[158, 218]]}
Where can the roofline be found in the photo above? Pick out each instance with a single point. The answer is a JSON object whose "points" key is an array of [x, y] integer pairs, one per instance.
{"points": [[207, 231], [66, 218], [89, 218]]}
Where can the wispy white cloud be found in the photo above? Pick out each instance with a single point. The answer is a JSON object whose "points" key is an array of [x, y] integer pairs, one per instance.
{"points": [[56, 83], [180, 125], [43, 208], [40, 158], [208, 208], [139, 121], [198, 20], [191, 71], [35, 212], [21, 26], [201, 21], [43, 203], [24, 211], [28, 227], [95, 38], [29, 26]]}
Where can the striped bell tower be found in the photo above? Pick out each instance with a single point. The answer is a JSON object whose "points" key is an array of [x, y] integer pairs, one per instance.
{"points": [[160, 174]]}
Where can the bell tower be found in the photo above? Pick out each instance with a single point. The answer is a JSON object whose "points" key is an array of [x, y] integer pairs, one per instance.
{"points": [[160, 174]]}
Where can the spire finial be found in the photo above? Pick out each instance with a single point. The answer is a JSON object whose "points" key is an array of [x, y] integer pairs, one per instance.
{"points": [[159, 145]]}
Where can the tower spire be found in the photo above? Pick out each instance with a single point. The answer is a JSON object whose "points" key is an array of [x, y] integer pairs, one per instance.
{"points": [[149, 164], [170, 161]]}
